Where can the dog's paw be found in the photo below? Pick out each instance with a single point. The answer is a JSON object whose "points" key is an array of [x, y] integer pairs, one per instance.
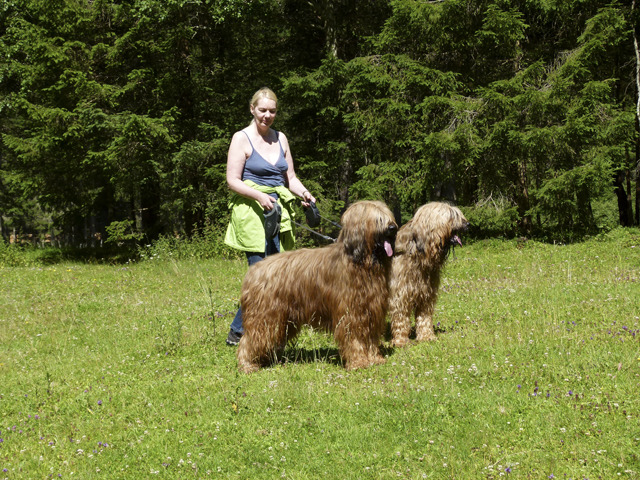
{"points": [[378, 360], [400, 342], [426, 337], [247, 367]]}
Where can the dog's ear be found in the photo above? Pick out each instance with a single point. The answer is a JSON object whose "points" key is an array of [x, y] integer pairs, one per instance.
{"points": [[354, 240], [430, 229], [405, 242], [417, 242], [362, 224]]}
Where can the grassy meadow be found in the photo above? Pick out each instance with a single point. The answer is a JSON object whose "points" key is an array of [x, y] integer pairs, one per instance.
{"points": [[121, 371]]}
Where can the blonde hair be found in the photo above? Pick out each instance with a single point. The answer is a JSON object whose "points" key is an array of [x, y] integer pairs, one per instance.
{"points": [[264, 92]]}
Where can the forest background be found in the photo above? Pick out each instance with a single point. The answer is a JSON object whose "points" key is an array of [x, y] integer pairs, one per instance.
{"points": [[116, 116]]}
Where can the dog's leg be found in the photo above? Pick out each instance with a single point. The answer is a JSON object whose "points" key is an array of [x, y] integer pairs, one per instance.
{"points": [[290, 332], [355, 356], [377, 331], [246, 358], [353, 345], [400, 323], [424, 321], [375, 358], [262, 341]]}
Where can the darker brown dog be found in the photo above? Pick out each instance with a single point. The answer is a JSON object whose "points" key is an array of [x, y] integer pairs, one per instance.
{"points": [[342, 287]]}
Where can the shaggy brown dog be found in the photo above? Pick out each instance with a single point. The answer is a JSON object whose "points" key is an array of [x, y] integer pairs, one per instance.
{"points": [[422, 247], [342, 287]]}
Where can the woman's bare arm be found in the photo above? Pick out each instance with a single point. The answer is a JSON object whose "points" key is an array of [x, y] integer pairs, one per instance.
{"points": [[295, 185]]}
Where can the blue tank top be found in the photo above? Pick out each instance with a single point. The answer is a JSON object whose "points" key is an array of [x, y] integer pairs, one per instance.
{"points": [[260, 171]]}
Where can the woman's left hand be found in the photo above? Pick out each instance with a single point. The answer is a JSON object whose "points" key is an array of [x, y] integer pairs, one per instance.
{"points": [[307, 198]]}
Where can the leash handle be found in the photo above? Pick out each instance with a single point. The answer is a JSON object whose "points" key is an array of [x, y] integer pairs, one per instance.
{"points": [[313, 216], [313, 219]]}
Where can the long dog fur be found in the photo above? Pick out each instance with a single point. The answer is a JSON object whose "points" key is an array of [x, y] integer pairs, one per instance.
{"points": [[422, 247], [342, 287]]}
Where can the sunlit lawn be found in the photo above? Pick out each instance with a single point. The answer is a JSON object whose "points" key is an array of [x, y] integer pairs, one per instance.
{"points": [[122, 372]]}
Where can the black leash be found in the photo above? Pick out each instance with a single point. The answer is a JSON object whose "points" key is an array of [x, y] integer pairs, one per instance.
{"points": [[332, 222], [317, 233]]}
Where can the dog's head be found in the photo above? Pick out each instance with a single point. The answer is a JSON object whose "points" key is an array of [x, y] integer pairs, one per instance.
{"points": [[368, 232], [433, 230]]}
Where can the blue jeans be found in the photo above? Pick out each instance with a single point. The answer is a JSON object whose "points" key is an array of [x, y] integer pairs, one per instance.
{"points": [[272, 247]]}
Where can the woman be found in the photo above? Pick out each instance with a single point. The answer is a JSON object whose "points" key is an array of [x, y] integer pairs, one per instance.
{"points": [[260, 172]]}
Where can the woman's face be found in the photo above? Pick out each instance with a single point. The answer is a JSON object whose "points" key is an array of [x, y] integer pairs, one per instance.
{"points": [[264, 112]]}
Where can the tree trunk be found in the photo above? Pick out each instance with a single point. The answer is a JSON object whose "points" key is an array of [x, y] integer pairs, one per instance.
{"points": [[445, 189], [629, 198], [87, 232], [193, 219], [137, 210], [345, 181], [623, 205], [523, 200], [637, 50], [326, 8], [396, 208], [585, 212], [92, 232], [638, 192]]}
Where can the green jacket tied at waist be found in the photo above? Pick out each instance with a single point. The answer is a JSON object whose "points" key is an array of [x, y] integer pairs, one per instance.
{"points": [[246, 228]]}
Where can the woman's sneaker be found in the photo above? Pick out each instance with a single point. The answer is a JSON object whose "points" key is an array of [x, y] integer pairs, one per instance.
{"points": [[233, 338]]}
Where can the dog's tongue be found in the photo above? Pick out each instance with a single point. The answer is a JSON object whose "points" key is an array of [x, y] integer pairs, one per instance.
{"points": [[388, 249], [457, 240]]}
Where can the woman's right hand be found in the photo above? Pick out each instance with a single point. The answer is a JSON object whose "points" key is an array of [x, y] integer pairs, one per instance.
{"points": [[266, 201]]}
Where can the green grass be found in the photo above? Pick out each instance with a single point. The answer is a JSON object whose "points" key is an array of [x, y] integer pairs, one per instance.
{"points": [[122, 372]]}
